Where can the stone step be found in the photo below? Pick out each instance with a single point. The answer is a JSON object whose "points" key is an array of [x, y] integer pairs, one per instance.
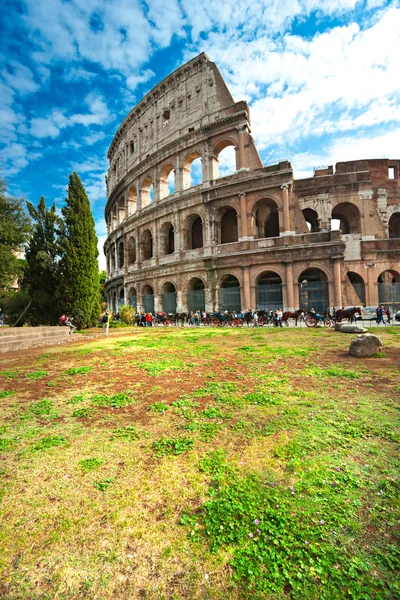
{"points": [[15, 338]]}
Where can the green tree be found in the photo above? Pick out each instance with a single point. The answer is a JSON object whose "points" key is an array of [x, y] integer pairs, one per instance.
{"points": [[79, 270], [15, 231], [102, 279], [42, 263]]}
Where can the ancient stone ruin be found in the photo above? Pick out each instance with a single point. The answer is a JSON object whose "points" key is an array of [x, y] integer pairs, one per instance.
{"points": [[181, 236]]}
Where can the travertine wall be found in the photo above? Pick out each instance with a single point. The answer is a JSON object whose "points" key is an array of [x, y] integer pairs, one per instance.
{"points": [[243, 240]]}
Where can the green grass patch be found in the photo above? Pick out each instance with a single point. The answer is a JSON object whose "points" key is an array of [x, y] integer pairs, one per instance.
{"points": [[6, 393], [91, 463], [333, 372], [78, 370], [126, 433], [114, 401], [9, 374], [37, 375], [158, 407], [77, 399], [104, 484], [85, 412], [48, 442], [173, 446]]}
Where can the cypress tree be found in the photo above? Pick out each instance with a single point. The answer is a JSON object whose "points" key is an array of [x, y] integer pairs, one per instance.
{"points": [[42, 258], [79, 271]]}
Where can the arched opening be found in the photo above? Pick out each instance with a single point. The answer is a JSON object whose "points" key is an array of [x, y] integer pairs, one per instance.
{"points": [[112, 252], [229, 227], [167, 239], [192, 170], [132, 200], [114, 217], [147, 245], [389, 289], [147, 191], [229, 294], [313, 290], [193, 232], [348, 216], [121, 300], [148, 299], [169, 297], [121, 209], [269, 291], [120, 255], [196, 295], [358, 285], [131, 251], [167, 181], [394, 225], [266, 217], [311, 217], [225, 163], [133, 298]]}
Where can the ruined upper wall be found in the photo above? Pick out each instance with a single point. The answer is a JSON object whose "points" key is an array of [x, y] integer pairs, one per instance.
{"points": [[187, 98]]}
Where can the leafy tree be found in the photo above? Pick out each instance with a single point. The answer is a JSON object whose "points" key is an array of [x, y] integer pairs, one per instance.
{"points": [[102, 278], [15, 230], [79, 271], [42, 257]]}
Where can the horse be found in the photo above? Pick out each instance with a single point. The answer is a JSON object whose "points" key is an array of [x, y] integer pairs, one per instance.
{"points": [[288, 314], [180, 318], [348, 313]]}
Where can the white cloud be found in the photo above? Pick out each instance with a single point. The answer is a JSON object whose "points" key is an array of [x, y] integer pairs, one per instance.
{"points": [[94, 137], [19, 77], [100, 247], [14, 158]]}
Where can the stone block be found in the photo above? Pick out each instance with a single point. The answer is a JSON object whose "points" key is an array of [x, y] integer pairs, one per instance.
{"points": [[347, 328], [338, 326], [365, 345]]}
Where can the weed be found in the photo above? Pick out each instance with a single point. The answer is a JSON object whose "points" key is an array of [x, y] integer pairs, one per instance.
{"points": [[78, 370], [214, 412], [9, 374], [49, 442], [172, 446], [115, 401], [213, 463], [332, 372], [184, 402], [104, 484], [262, 398], [91, 463], [81, 413], [162, 365], [6, 393], [37, 375], [207, 431], [76, 399], [380, 355], [6, 444], [129, 432], [158, 407]]}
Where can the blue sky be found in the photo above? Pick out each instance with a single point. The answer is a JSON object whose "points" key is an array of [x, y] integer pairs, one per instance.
{"points": [[321, 78]]}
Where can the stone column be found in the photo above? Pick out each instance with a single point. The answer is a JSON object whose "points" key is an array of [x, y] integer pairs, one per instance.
{"points": [[289, 286], [157, 303], [138, 195], [372, 292], [241, 162], [178, 175], [337, 283], [179, 301], [244, 234], [208, 297], [245, 298], [285, 209]]}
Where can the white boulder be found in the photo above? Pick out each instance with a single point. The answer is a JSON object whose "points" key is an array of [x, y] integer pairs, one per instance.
{"points": [[365, 345]]}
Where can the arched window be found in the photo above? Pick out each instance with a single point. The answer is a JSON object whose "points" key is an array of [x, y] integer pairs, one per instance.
{"points": [[394, 225], [389, 289], [148, 299], [226, 162], [167, 239], [132, 200], [265, 214], [133, 297], [147, 245], [120, 255], [229, 227], [269, 291], [112, 252], [168, 293], [196, 294], [192, 170], [348, 216], [131, 251], [147, 191], [167, 181], [311, 217], [313, 290], [193, 232], [357, 283], [121, 300], [229, 294], [121, 209]]}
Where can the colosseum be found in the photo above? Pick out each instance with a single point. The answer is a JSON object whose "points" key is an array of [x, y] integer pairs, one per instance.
{"points": [[182, 236]]}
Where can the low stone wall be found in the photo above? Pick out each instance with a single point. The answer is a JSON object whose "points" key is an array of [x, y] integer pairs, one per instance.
{"points": [[18, 338]]}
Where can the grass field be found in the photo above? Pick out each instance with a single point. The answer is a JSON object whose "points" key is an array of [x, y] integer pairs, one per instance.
{"points": [[200, 464]]}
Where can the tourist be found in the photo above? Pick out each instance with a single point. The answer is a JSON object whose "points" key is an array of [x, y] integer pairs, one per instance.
{"points": [[67, 321], [106, 323], [149, 320], [388, 314], [255, 317], [379, 315]]}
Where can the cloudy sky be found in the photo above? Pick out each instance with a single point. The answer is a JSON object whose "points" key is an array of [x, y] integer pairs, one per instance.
{"points": [[321, 78]]}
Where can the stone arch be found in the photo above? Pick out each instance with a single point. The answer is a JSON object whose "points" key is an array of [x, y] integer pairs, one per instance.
{"points": [[132, 295], [146, 245], [196, 294], [265, 217], [167, 173], [132, 200], [131, 250], [228, 227], [269, 291], [121, 297], [349, 218], [394, 225], [121, 209], [313, 289], [229, 293], [193, 232], [358, 285], [389, 289], [167, 239], [312, 220], [168, 293], [120, 255], [224, 158], [147, 191], [148, 298], [190, 169]]}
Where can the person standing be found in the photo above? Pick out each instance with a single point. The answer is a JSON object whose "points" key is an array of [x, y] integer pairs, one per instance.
{"points": [[379, 315], [255, 317], [106, 323], [149, 320], [388, 314]]}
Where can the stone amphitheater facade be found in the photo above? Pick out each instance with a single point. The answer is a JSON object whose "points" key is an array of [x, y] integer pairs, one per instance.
{"points": [[256, 238]]}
